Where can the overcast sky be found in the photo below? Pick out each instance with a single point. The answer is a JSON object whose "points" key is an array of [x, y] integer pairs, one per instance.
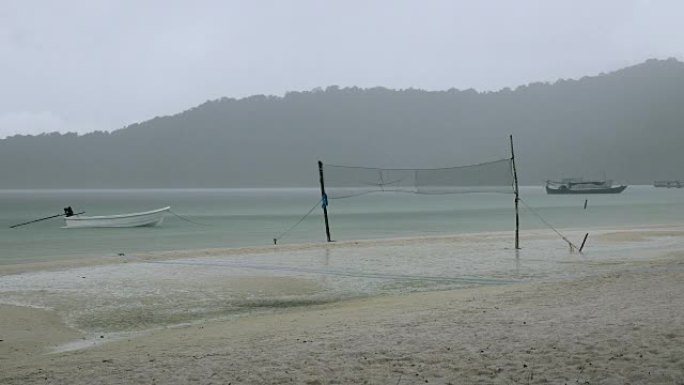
{"points": [[85, 65]]}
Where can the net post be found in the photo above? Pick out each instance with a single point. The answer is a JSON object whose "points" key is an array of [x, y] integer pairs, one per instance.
{"points": [[324, 200], [517, 197]]}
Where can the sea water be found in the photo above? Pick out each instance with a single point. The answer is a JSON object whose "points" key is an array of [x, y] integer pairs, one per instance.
{"points": [[225, 218], [132, 294]]}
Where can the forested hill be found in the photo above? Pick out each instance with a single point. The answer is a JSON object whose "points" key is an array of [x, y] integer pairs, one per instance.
{"points": [[628, 125]]}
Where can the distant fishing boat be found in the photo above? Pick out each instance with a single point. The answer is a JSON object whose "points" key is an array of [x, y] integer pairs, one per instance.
{"points": [[668, 183], [146, 218], [580, 186]]}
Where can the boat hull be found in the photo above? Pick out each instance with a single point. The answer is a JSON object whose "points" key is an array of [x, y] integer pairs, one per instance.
{"points": [[669, 184], [142, 219], [598, 190]]}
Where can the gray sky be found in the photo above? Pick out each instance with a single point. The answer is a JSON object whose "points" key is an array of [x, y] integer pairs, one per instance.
{"points": [[85, 65]]}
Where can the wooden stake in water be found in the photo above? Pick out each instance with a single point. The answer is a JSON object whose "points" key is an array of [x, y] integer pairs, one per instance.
{"points": [[583, 242]]}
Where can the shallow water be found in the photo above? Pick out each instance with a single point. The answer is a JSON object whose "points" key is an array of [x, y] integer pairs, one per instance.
{"points": [[253, 217], [136, 294]]}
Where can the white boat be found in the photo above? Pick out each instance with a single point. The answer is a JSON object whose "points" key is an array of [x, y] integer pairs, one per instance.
{"points": [[146, 218]]}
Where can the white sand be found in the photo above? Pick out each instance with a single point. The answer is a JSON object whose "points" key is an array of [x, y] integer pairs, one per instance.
{"points": [[623, 324]]}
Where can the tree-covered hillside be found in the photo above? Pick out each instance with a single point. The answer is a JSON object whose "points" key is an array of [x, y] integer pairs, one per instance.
{"points": [[628, 125]]}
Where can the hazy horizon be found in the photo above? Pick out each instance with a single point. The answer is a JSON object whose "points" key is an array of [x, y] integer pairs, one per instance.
{"points": [[78, 66]]}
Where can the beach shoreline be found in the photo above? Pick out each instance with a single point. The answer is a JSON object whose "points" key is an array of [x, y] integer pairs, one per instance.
{"points": [[526, 236], [615, 321], [617, 327]]}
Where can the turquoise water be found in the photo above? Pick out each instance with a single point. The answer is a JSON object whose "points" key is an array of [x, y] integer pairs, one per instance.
{"points": [[253, 217], [134, 292]]}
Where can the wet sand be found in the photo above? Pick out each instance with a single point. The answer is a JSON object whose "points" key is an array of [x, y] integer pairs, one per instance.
{"points": [[622, 324]]}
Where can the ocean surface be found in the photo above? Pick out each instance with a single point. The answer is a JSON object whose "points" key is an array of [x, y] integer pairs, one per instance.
{"points": [[224, 218], [135, 293]]}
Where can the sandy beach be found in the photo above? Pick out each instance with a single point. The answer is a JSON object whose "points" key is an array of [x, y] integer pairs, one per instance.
{"points": [[616, 323]]}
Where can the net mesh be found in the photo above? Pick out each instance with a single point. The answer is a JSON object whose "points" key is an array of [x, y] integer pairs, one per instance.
{"points": [[348, 181]]}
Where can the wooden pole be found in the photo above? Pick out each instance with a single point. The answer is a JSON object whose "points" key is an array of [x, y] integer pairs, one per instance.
{"points": [[517, 198], [42, 219], [583, 241], [324, 200]]}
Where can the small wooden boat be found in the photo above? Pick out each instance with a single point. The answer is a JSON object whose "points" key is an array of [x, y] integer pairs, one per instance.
{"points": [[146, 218], [668, 183]]}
